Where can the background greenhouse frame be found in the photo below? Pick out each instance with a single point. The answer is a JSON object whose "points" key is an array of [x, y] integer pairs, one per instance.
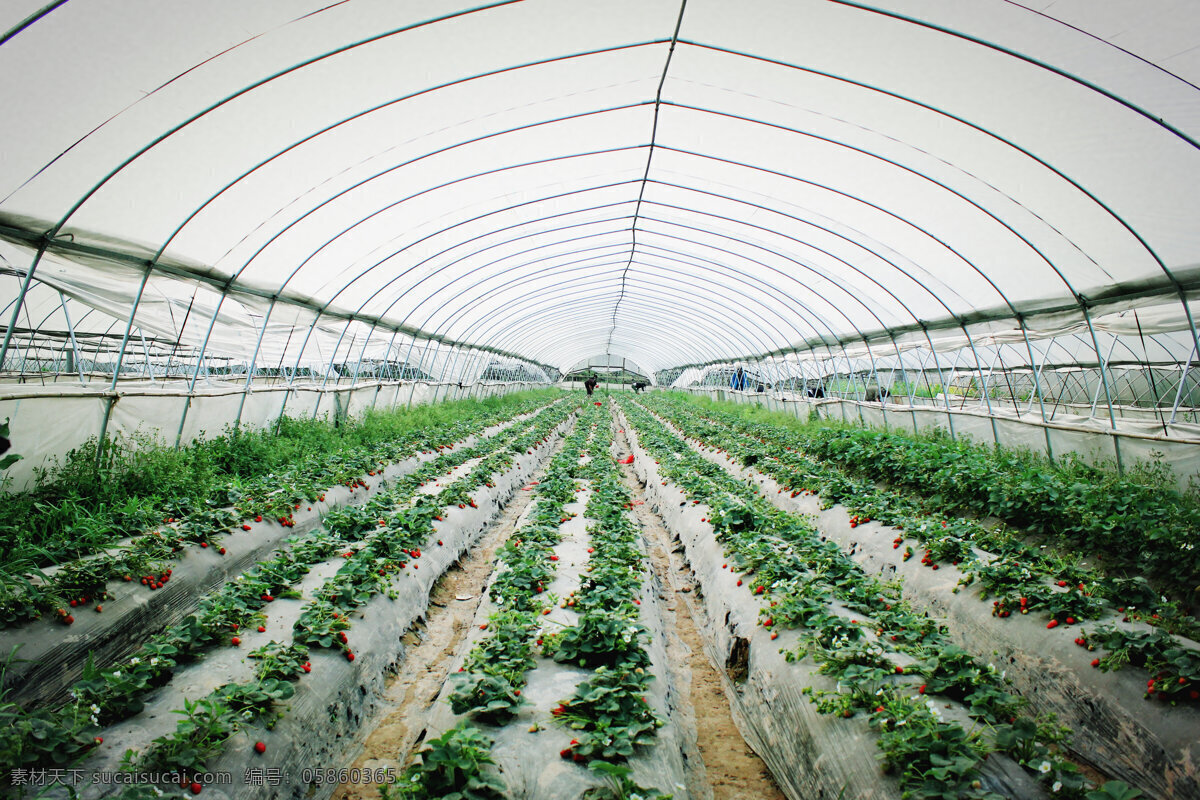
{"points": [[1002, 248]]}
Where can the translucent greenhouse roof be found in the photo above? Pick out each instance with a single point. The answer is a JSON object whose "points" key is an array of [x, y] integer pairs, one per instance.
{"points": [[672, 183]]}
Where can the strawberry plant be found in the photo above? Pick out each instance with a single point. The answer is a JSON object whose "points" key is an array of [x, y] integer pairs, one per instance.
{"points": [[618, 785], [609, 714], [804, 574], [452, 767]]}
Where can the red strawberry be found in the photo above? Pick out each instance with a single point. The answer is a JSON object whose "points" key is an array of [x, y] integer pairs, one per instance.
{"points": [[262, 629], [245, 528], [349, 656], [196, 788], [1062, 583], [260, 747], [235, 641], [1052, 623], [204, 544], [1095, 662]]}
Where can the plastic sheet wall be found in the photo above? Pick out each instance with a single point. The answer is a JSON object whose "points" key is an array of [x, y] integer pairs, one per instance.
{"points": [[1096, 442], [45, 423]]}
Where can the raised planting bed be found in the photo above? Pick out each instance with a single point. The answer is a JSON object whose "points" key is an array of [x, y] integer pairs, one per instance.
{"points": [[1129, 724], [827, 670], [345, 575], [564, 693], [91, 520], [50, 656]]}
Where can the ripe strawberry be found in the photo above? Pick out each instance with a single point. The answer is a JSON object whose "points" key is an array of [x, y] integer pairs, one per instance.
{"points": [[349, 656], [196, 788], [204, 544], [1095, 662], [68, 619], [246, 527], [235, 641], [260, 747], [262, 628]]}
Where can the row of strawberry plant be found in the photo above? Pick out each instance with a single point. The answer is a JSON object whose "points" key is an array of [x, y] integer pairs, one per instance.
{"points": [[200, 516], [876, 659], [1021, 577], [1139, 527], [57, 736], [490, 681], [607, 713], [325, 621], [488, 686]]}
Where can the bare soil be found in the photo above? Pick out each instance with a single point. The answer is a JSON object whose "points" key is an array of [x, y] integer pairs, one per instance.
{"points": [[730, 769], [412, 691], [720, 764]]}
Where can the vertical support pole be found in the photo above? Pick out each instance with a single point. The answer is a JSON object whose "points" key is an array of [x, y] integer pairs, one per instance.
{"points": [[387, 365], [20, 301], [1112, 417], [253, 363], [1037, 387], [295, 370], [71, 332], [120, 360], [196, 372], [1182, 383], [146, 354]]}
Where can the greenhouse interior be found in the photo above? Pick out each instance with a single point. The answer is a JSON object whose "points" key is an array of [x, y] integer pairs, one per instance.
{"points": [[616, 400]]}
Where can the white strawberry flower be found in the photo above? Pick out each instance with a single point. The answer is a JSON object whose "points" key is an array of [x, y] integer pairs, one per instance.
{"points": [[1044, 767]]}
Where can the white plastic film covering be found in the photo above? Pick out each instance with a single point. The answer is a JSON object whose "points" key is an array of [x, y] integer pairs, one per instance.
{"points": [[316, 196]]}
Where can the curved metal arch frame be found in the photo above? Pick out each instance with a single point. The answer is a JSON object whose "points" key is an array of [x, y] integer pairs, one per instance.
{"points": [[738, 279], [1084, 309]]}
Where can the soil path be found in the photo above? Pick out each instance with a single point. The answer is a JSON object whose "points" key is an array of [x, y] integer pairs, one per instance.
{"points": [[729, 769], [395, 732], [721, 765]]}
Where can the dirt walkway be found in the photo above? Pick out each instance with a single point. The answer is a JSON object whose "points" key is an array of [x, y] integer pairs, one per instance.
{"points": [[721, 766], [726, 763], [434, 646]]}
